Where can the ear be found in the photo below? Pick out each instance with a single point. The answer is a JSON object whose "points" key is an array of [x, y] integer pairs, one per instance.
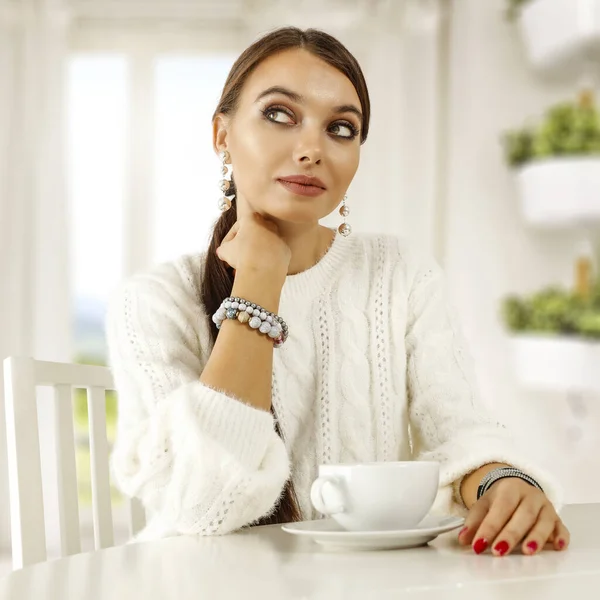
{"points": [[220, 129]]}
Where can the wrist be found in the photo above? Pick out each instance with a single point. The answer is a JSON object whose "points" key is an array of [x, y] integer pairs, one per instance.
{"points": [[259, 288], [269, 273], [496, 475], [470, 482]]}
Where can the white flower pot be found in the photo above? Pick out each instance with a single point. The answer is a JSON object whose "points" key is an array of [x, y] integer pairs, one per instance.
{"points": [[560, 35], [557, 363], [560, 192]]}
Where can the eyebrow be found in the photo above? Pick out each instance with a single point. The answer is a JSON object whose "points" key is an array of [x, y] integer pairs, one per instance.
{"points": [[298, 98]]}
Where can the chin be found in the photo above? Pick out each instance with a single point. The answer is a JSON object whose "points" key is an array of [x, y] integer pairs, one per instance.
{"points": [[304, 213], [297, 217]]}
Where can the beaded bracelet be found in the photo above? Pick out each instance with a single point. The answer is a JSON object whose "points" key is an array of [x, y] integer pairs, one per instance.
{"points": [[500, 473], [255, 315]]}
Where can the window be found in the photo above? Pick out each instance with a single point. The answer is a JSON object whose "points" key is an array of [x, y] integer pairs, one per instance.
{"points": [[107, 152], [187, 171], [183, 177], [98, 104]]}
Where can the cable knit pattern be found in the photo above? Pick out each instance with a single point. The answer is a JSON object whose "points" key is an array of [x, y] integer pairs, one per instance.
{"points": [[354, 374], [381, 351], [374, 369]]}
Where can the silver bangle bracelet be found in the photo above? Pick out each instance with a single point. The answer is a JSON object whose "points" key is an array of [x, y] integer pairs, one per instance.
{"points": [[255, 316], [500, 473]]}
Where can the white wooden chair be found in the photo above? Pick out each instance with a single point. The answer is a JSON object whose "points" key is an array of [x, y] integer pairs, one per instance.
{"points": [[22, 376]]}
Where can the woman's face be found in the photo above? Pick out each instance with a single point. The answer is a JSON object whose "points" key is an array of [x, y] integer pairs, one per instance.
{"points": [[307, 126]]}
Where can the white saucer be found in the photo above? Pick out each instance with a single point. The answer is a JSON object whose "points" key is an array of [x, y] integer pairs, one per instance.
{"points": [[328, 532]]}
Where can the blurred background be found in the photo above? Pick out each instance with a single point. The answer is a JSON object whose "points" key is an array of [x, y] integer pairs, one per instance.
{"points": [[484, 149]]}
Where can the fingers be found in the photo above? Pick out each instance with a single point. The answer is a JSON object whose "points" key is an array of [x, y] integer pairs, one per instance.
{"points": [[538, 535], [473, 521], [514, 517], [219, 253], [502, 514], [561, 535], [231, 233], [531, 526], [488, 520], [228, 238], [507, 535]]}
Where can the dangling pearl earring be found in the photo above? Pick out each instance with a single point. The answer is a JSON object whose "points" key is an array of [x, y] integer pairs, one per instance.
{"points": [[224, 203], [344, 228]]}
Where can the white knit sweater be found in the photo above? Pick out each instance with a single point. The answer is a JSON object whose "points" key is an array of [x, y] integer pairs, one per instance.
{"points": [[374, 369]]}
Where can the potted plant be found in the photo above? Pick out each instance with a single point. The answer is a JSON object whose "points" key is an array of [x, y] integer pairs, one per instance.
{"points": [[557, 164], [559, 35], [556, 335]]}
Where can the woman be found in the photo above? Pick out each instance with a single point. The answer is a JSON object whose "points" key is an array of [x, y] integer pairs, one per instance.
{"points": [[227, 408]]}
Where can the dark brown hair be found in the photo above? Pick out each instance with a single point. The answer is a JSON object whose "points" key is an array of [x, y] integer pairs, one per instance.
{"points": [[218, 278]]}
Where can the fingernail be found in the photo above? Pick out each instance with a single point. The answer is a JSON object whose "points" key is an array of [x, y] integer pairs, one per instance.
{"points": [[463, 531], [480, 546], [532, 546], [501, 548], [561, 543]]}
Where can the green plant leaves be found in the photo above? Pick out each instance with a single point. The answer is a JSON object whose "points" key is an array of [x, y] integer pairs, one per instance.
{"points": [[568, 129], [554, 310]]}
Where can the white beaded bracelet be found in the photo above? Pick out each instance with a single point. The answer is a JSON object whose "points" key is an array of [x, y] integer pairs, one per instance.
{"points": [[256, 317]]}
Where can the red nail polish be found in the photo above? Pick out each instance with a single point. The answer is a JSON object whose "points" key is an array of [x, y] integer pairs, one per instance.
{"points": [[501, 548], [532, 546], [561, 543], [463, 531], [480, 546]]}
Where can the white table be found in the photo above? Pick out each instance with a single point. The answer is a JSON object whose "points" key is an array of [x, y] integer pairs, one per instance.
{"points": [[266, 563]]}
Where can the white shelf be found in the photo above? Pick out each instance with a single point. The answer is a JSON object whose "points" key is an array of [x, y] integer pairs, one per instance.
{"points": [[557, 363], [562, 192], [562, 37]]}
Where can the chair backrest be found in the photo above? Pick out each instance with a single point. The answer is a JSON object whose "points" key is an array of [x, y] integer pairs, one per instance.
{"points": [[22, 376]]}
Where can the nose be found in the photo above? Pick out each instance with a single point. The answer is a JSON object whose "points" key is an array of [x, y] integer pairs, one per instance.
{"points": [[309, 147]]}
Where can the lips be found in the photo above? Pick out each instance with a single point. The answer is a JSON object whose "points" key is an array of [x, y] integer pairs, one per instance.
{"points": [[304, 180], [300, 189]]}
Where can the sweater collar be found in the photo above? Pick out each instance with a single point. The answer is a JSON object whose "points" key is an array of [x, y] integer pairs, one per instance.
{"points": [[312, 281]]}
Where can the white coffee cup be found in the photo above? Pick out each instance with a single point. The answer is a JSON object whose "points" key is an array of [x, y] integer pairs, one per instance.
{"points": [[376, 496]]}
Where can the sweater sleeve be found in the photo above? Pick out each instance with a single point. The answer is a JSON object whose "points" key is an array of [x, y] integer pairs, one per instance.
{"points": [[200, 461], [448, 422]]}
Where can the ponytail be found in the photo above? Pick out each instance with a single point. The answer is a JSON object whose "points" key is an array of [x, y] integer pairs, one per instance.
{"points": [[217, 285]]}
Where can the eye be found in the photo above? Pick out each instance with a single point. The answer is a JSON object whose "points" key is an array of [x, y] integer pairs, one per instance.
{"points": [[341, 129], [344, 125], [274, 111]]}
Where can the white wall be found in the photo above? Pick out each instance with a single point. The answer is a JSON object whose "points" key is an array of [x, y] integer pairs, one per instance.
{"points": [[488, 250]]}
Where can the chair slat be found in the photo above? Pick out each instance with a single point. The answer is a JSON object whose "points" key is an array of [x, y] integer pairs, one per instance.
{"points": [[22, 376], [79, 376], [68, 503], [101, 505], [24, 466]]}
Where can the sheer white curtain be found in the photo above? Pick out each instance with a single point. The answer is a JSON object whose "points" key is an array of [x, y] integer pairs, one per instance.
{"points": [[34, 288]]}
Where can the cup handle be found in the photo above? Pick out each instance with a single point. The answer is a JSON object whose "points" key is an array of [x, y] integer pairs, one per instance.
{"points": [[335, 499]]}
